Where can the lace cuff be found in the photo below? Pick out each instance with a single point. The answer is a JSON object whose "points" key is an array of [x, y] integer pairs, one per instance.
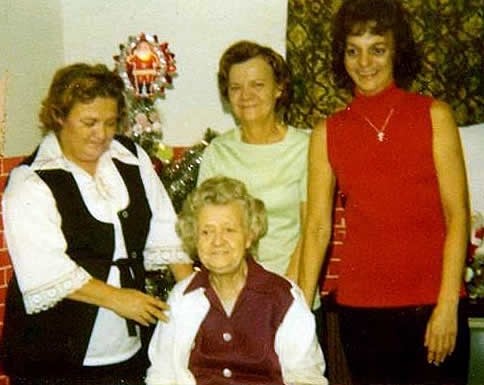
{"points": [[48, 296], [155, 259]]}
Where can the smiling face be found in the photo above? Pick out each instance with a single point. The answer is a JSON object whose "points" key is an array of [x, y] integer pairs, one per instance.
{"points": [[223, 238], [88, 130], [253, 91], [369, 61]]}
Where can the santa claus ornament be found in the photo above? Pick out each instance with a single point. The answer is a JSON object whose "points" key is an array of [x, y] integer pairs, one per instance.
{"points": [[146, 66]]}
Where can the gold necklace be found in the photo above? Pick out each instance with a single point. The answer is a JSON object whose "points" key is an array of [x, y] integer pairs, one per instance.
{"points": [[380, 132]]}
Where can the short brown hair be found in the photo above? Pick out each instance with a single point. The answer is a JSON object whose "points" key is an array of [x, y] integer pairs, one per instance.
{"points": [[220, 190], [245, 50], [79, 83]]}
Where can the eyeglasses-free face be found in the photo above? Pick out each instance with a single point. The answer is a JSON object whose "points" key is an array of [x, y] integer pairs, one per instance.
{"points": [[369, 61]]}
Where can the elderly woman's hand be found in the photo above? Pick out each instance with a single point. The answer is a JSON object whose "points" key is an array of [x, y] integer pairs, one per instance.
{"points": [[140, 307]]}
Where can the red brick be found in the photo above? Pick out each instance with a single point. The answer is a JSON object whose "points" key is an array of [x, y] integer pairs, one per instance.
{"points": [[9, 273], [3, 181], [338, 235], [4, 278], [333, 269], [3, 294], [4, 258], [336, 250], [6, 274], [341, 225], [330, 285], [9, 163], [338, 212]]}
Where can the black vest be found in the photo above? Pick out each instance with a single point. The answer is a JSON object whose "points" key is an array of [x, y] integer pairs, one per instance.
{"points": [[56, 340]]}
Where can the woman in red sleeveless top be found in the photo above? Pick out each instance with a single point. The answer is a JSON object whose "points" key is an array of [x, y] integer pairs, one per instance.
{"points": [[397, 158]]}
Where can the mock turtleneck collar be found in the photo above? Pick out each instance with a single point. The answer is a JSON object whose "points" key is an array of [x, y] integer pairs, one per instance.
{"points": [[359, 95], [378, 104]]}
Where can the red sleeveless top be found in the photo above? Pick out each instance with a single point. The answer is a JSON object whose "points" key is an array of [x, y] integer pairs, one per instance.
{"points": [[393, 248]]}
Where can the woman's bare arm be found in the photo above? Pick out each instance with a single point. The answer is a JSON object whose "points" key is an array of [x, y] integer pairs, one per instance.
{"points": [[317, 234], [442, 326]]}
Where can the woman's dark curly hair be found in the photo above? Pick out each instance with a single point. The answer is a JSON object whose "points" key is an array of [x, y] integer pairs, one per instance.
{"points": [[245, 50], [79, 83], [355, 17]]}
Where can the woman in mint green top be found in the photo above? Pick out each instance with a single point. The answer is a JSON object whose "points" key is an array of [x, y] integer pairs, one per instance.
{"points": [[262, 151]]}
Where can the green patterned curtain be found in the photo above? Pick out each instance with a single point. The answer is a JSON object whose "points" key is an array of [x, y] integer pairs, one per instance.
{"points": [[450, 34]]}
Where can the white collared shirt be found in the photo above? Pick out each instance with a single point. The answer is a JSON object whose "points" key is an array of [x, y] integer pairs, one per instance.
{"points": [[36, 244]]}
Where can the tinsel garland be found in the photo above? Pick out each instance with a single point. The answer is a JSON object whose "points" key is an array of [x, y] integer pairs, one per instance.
{"points": [[180, 176]]}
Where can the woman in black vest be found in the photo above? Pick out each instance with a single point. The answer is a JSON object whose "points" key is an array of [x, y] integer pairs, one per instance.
{"points": [[84, 216]]}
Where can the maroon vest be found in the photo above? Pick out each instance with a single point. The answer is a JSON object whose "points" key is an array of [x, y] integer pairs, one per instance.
{"points": [[240, 349]]}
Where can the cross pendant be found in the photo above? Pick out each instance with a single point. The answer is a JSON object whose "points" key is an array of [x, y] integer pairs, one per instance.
{"points": [[381, 136]]}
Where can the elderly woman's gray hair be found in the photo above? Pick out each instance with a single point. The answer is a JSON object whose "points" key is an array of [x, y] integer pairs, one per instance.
{"points": [[220, 190]]}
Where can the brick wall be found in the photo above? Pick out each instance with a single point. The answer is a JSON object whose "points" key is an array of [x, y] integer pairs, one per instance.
{"points": [[328, 281], [6, 164]]}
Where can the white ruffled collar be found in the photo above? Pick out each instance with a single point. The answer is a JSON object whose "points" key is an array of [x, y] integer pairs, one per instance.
{"points": [[107, 180], [50, 155]]}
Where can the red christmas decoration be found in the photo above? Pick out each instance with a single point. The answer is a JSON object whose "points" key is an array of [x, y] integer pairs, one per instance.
{"points": [[146, 66]]}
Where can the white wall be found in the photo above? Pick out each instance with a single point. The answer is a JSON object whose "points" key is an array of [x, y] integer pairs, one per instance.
{"points": [[472, 143], [31, 49], [198, 31]]}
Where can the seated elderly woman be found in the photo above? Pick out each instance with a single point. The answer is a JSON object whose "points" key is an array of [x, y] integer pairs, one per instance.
{"points": [[232, 322]]}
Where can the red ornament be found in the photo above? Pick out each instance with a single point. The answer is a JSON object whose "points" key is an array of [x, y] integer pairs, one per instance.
{"points": [[146, 66]]}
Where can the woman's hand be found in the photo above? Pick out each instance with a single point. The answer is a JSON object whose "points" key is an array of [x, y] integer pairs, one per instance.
{"points": [[140, 307], [127, 303], [441, 333]]}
